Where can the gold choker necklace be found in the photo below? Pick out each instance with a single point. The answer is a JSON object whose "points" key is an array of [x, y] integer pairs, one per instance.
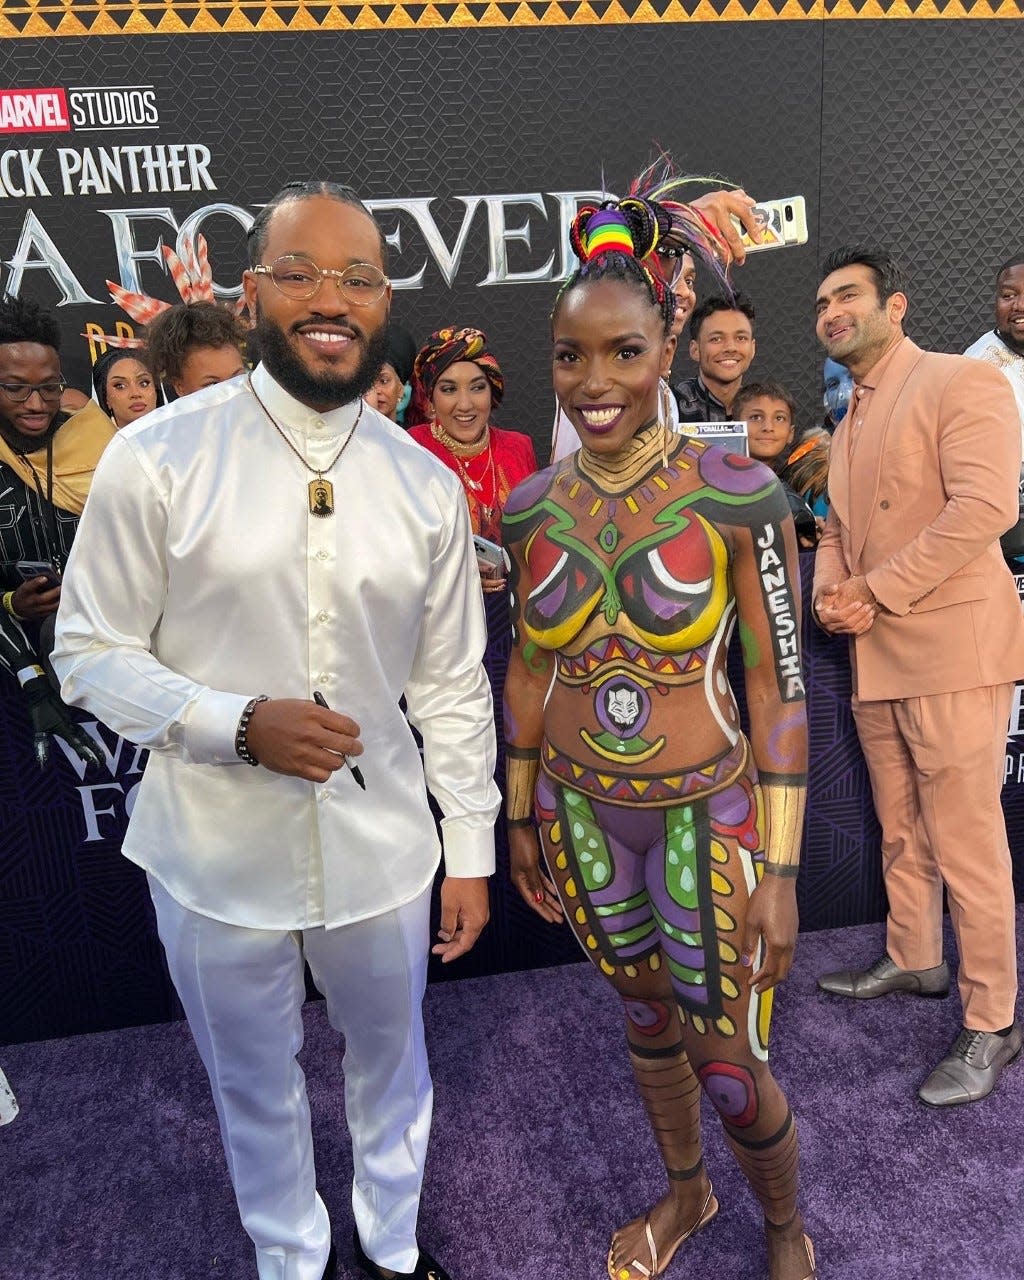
{"points": [[456, 447], [619, 472]]}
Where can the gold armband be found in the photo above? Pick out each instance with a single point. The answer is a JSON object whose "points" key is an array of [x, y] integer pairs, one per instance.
{"points": [[521, 767], [784, 826]]}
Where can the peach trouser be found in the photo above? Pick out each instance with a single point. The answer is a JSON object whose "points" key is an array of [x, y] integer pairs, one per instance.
{"points": [[936, 766]]}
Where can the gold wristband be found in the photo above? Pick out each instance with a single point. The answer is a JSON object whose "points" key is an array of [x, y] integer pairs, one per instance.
{"points": [[784, 825], [522, 765], [8, 603]]}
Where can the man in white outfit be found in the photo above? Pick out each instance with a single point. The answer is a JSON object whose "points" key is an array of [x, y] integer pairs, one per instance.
{"points": [[257, 543]]}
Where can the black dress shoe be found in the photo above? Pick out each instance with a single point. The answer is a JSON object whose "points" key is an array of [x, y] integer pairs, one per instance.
{"points": [[331, 1266], [426, 1267]]}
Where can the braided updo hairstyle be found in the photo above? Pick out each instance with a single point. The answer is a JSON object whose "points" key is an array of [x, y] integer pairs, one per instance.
{"points": [[612, 240]]}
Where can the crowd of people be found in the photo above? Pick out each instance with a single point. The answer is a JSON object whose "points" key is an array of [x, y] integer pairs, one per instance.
{"points": [[401, 532]]}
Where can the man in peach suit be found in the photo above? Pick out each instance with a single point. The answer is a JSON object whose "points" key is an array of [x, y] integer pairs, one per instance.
{"points": [[923, 480]]}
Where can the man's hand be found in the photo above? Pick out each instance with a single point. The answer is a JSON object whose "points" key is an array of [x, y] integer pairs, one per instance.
{"points": [[298, 738], [50, 715], [846, 608], [465, 909], [36, 599], [771, 915], [536, 889], [720, 207]]}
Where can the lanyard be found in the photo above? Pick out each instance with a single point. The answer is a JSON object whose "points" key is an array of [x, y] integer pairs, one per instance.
{"points": [[48, 519]]}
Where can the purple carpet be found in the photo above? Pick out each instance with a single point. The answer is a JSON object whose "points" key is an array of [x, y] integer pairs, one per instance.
{"points": [[114, 1167]]}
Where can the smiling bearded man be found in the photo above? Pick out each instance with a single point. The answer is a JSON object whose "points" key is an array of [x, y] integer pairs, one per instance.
{"points": [[283, 539]]}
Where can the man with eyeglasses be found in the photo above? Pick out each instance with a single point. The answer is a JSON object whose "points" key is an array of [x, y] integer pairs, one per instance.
{"points": [[47, 458], [290, 550]]}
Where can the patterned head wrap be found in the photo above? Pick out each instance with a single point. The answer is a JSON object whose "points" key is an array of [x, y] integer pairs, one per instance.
{"points": [[447, 347]]}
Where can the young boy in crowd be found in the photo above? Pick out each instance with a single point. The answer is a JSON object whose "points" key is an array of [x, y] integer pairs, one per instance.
{"points": [[770, 414], [196, 345]]}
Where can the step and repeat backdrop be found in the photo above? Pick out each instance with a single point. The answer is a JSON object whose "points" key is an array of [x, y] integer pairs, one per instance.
{"points": [[473, 131]]}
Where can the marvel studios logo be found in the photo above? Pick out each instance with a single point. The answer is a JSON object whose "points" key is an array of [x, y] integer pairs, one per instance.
{"points": [[85, 110]]}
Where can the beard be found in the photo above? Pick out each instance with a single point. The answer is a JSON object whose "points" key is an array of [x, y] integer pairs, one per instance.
{"points": [[21, 443], [1015, 344], [325, 390]]}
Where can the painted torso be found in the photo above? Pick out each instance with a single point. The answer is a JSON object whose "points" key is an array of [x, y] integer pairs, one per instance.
{"points": [[632, 589]]}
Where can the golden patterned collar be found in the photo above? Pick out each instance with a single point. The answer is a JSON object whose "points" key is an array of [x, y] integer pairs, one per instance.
{"points": [[620, 472]]}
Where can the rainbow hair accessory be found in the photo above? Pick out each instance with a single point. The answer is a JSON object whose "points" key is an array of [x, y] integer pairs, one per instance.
{"points": [[606, 232]]}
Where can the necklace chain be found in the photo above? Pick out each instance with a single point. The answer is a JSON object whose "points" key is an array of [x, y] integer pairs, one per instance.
{"points": [[475, 487], [317, 471]]}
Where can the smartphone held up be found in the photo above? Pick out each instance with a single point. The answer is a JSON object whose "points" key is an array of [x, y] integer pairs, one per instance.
{"points": [[781, 223]]}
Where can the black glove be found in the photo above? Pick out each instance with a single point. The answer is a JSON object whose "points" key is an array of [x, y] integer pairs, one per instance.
{"points": [[50, 715]]}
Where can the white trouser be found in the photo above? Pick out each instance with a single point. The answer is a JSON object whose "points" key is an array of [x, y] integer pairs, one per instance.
{"points": [[8, 1102], [242, 991]]}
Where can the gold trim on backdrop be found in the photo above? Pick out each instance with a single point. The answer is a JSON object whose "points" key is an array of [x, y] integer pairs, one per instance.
{"points": [[32, 19]]}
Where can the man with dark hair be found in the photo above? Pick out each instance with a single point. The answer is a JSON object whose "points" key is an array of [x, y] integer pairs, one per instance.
{"points": [[722, 344], [47, 458], [1003, 346], [923, 481], [196, 345], [316, 555]]}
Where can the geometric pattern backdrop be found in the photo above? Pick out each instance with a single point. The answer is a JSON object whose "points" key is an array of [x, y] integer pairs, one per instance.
{"points": [[903, 131]]}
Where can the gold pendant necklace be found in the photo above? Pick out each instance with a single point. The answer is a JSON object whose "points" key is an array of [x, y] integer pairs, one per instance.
{"points": [[320, 491]]}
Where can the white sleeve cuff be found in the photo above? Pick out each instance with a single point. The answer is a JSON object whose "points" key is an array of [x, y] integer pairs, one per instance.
{"points": [[211, 723], [468, 847]]}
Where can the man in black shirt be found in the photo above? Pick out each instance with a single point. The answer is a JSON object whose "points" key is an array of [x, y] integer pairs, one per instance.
{"points": [[46, 463], [722, 345]]}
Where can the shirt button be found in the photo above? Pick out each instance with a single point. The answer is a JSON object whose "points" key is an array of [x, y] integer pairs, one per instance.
{"points": [[323, 795], [322, 554], [884, 504], [323, 616], [318, 424], [323, 678]]}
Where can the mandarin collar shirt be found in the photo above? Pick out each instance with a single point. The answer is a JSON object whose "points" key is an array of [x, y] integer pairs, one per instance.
{"points": [[200, 579], [860, 402]]}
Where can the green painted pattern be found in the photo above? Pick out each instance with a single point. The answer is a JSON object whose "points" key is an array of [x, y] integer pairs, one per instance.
{"points": [[629, 904], [675, 933], [692, 977], [586, 839], [681, 857], [751, 649], [629, 936]]}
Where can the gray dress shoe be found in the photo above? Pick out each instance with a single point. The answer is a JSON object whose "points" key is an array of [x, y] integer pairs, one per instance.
{"points": [[971, 1068], [885, 976]]}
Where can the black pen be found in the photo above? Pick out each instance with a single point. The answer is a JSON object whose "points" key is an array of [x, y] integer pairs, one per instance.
{"points": [[321, 701]]}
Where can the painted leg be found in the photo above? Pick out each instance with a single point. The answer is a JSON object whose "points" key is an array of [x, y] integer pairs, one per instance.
{"points": [[700, 888], [601, 884]]}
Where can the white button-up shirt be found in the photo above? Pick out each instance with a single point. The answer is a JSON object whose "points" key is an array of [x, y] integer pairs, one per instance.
{"points": [[199, 578]]}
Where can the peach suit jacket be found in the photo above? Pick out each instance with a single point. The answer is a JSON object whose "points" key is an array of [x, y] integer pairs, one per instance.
{"points": [[918, 509]]}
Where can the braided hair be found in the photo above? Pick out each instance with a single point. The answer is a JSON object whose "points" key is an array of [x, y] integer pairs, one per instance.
{"points": [[612, 240]]}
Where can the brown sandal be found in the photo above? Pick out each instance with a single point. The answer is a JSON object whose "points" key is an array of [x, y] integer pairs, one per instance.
{"points": [[708, 1211]]}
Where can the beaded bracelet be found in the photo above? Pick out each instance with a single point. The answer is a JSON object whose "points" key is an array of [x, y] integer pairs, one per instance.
{"points": [[242, 732]]}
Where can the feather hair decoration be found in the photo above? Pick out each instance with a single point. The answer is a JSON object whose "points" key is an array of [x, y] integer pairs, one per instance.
{"points": [[192, 277]]}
